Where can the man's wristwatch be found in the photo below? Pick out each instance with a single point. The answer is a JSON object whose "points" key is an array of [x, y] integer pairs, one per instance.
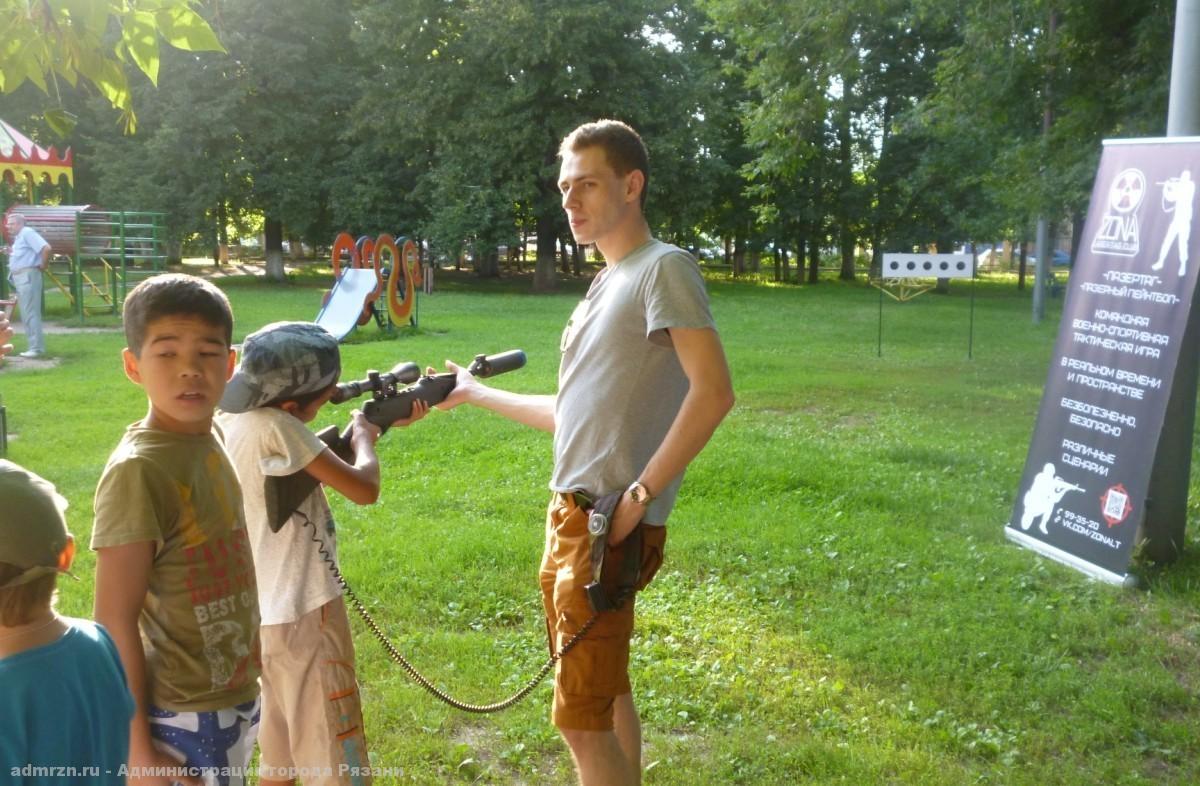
{"points": [[638, 492]]}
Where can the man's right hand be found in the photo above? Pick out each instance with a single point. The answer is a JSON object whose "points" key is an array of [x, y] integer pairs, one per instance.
{"points": [[531, 410], [466, 387]]}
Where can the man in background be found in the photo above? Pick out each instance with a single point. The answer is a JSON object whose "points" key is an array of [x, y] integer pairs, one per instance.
{"points": [[28, 258]]}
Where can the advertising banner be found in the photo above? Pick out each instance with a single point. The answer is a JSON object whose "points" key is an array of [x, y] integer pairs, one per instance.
{"points": [[1082, 496]]}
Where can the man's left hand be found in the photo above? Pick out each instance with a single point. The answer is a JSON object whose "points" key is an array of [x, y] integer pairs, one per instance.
{"points": [[627, 516]]}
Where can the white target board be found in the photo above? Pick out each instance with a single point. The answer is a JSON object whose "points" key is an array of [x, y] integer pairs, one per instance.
{"points": [[927, 266]]}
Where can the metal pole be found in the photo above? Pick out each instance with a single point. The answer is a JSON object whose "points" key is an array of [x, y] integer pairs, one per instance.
{"points": [[879, 347], [1166, 504], [1041, 249], [1183, 111], [1043, 226], [971, 330]]}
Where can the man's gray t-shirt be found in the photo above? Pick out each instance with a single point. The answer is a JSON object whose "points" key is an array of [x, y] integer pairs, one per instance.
{"points": [[620, 384]]}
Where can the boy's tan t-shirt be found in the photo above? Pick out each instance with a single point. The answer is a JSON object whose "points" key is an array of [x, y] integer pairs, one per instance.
{"points": [[199, 622]]}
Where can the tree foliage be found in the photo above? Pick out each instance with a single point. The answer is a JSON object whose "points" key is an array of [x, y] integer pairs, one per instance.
{"points": [[821, 129], [94, 41], [482, 92]]}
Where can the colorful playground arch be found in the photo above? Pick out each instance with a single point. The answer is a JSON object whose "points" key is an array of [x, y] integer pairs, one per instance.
{"points": [[397, 271]]}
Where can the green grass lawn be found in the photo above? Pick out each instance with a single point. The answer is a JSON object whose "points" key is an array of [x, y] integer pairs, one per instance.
{"points": [[839, 603]]}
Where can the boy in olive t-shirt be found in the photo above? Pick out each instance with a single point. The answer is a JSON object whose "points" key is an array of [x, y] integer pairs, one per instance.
{"points": [[175, 582]]}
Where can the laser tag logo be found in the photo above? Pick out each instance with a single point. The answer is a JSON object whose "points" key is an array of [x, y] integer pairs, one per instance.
{"points": [[1118, 233]]}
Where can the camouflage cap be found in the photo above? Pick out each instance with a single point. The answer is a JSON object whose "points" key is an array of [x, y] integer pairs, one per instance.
{"points": [[282, 361], [33, 532]]}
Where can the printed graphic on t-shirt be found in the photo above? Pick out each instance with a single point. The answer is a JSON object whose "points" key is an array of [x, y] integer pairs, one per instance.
{"points": [[221, 586]]}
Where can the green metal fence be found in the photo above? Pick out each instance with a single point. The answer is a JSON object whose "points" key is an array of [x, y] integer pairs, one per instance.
{"points": [[99, 255]]}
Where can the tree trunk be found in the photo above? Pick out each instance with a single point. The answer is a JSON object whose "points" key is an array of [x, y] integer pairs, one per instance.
{"points": [[566, 258], [801, 248], [576, 259], [847, 248], [1021, 267], [846, 183], [881, 188], [544, 279], [728, 252], [1077, 220], [487, 262], [222, 234], [814, 258], [273, 248]]}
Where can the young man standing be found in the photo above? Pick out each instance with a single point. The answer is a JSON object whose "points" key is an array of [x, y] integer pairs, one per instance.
{"points": [[28, 257], [642, 385]]}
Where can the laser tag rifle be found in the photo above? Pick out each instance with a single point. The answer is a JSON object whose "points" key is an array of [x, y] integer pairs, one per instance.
{"points": [[389, 403], [1064, 487]]}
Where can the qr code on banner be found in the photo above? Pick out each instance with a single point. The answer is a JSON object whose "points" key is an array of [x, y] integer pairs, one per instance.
{"points": [[1114, 504]]}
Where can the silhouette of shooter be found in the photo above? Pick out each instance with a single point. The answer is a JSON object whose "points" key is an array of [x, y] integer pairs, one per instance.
{"points": [[1182, 192], [1044, 493]]}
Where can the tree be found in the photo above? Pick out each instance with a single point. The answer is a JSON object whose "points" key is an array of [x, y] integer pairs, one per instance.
{"points": [[482, 92], [1103, 73], [830, 80], [296, 76], [47, 40], [184, 162]]}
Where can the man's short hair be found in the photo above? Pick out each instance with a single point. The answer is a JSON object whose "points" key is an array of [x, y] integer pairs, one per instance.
{"points": [[623, 148], [174, 295]]}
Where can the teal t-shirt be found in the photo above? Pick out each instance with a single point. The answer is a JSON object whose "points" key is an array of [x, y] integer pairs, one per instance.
{"points": [[64, 710]]}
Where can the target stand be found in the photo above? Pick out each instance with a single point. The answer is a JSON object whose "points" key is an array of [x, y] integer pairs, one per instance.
{"points": [[905, 276]]}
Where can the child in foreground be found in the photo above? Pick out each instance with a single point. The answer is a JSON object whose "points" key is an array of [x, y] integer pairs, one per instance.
{"points": [[174, 575], [311, 711], [66, 708]]}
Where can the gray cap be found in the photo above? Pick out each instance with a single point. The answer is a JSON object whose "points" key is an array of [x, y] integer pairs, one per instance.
{"points": [[282, 361], [33, 532]]}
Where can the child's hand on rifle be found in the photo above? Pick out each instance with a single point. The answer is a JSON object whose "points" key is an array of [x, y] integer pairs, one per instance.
{"points": [[363, 433], [419, 410]]}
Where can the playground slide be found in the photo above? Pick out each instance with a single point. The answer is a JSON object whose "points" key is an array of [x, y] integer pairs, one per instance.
{"points": [[341, 312]]}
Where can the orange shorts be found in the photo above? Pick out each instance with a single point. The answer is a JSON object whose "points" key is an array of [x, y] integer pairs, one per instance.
{"points": [[596, 671]]}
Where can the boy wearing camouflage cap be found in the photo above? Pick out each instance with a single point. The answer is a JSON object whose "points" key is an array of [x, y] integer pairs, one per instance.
{"points": [[312, 715], [66, 705]]}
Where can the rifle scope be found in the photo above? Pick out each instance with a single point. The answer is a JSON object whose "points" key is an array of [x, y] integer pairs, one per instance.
{"points": [[381, 384]]}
